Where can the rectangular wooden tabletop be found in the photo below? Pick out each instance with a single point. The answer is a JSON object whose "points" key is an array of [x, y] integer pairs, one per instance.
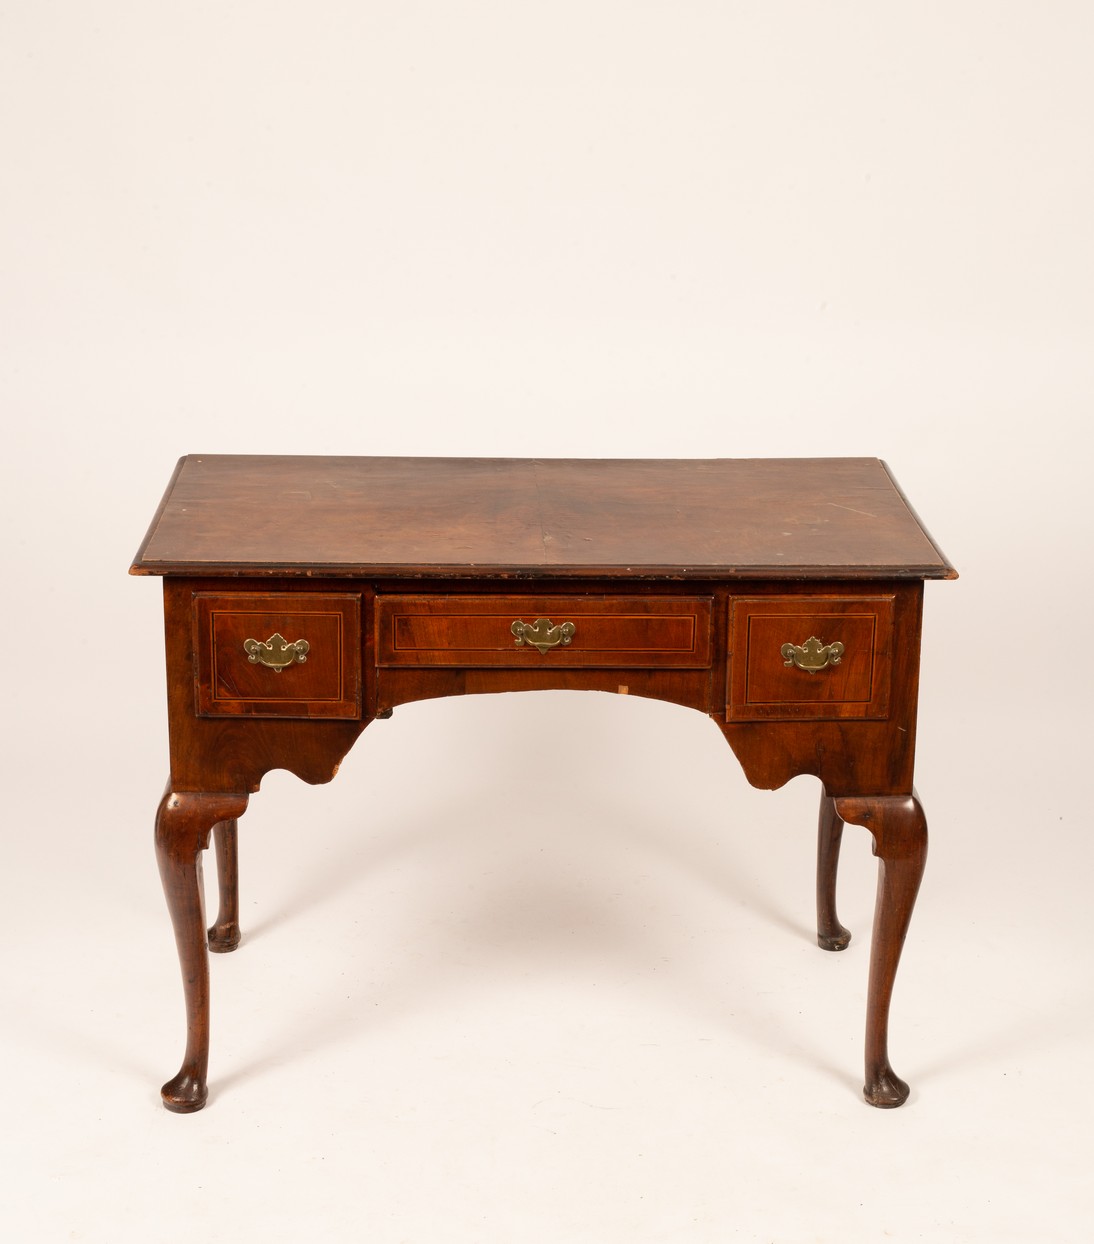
{"points": [[803, 518]]}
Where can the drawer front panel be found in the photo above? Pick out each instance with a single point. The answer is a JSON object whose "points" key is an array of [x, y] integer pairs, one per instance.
{"points": [[278, 655], [568, 632], [817, 658]]}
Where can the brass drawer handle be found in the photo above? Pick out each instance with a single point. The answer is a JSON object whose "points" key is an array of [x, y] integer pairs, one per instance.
{"points": [[812, 655], [543, 633], [276, 653]]}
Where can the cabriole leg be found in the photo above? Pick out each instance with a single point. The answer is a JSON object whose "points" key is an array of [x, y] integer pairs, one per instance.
{"points": [[224, 935], [899, 829], [182, 833], [831, 935]]}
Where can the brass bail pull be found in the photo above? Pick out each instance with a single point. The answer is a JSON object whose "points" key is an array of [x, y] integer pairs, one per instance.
{"points": [[276, 653], [542, 634], [812, 656]]}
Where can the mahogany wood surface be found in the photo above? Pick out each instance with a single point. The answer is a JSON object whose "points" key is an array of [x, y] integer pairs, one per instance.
{"points": [[766, 686], [739, 518], [680, 580], [646, 632], [327, 683]]}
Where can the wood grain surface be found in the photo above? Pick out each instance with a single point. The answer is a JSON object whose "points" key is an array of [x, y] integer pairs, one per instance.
{"points": [[499, 517]]}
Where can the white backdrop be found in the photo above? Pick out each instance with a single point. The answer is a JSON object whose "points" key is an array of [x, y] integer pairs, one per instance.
{"points": [[607, 229]]}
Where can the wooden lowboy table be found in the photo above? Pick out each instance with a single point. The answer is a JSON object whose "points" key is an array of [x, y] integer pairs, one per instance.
{"points": [[305, 597]]}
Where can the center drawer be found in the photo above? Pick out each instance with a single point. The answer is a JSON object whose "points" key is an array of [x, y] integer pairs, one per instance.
{"points": [[537, 632]]}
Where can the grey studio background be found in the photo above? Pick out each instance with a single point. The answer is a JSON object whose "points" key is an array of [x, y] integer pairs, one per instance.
{"points": [[566, 992]]}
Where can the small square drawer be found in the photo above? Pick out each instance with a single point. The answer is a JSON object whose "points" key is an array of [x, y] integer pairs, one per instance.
{"points": [[810, 657], [541, 632], [282, 654]]}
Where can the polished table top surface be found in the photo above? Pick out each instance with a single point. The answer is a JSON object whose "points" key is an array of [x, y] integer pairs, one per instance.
{"points": [[797, 518]]}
